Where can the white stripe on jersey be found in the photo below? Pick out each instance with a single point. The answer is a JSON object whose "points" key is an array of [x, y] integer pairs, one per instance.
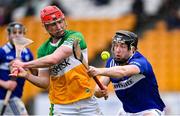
{"points": [[129, 82], [6, 49], [65, 66], [4, 66], [9, 45]]}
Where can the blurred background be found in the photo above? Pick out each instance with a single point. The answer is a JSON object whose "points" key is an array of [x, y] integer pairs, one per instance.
{"points": [[157, 22]]}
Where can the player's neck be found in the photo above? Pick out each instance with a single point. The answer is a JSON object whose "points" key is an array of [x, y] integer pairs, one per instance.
{"points": [[55, 40]]}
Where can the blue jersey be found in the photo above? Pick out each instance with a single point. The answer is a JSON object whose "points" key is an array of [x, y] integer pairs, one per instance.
{"points": [[138, 92], [7, 54]]}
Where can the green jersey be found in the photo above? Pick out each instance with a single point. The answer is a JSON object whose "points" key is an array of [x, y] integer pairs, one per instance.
{"points": [[69, 81]]}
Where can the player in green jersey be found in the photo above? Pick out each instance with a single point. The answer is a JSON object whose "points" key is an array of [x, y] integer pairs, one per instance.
{"points": [[70, 91]]}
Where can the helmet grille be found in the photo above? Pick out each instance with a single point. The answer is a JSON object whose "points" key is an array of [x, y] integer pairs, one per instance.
{"points": [[15, 26]]}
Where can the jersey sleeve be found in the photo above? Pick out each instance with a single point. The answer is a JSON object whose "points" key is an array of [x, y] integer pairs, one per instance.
{"points": [[69, 41], [42, 50], [139, 63]]}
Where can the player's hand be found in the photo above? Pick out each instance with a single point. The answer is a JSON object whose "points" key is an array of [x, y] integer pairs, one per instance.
{"points": [[19, 72], [16, 63], [101, 93], [10, 85], [92, 71]]}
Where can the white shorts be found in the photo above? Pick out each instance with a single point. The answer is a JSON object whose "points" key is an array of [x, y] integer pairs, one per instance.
{"points": [[15, 107], [85, 107], [150, 112]]}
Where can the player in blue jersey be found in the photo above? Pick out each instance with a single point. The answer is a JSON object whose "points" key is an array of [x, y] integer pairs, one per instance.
{"points": [[132, 77], [7, 54]]}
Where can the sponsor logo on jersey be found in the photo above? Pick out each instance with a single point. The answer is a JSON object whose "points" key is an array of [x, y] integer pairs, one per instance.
{"points": [[59, 67], [129, 82]]}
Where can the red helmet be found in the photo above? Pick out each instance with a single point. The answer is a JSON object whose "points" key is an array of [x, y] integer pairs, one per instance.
{"points": [[51, 13]]}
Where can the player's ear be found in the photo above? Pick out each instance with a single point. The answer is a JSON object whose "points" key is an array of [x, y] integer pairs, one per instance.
{"points": [[133, 49]]}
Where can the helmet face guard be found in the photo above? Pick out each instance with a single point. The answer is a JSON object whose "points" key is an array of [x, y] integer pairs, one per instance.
{"points": [[14, 26], [129, 38], [15, 30], [121, 39], [126, 37]]}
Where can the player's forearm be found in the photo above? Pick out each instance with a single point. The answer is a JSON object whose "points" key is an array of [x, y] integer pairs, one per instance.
{"points": [[46, 61], [56, 57], [42, 82], [116, 72]]}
